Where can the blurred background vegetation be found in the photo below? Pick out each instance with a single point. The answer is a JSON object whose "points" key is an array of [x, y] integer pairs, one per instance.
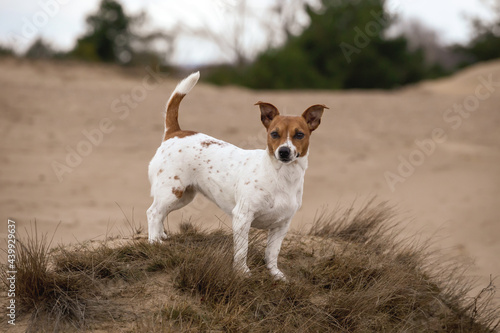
{"points": [[346, 45]]}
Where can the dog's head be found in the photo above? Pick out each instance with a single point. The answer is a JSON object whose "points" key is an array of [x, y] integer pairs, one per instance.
{"points": [[288, 136]]}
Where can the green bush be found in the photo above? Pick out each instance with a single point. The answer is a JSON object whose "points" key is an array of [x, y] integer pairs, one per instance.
{"points": [[345, 46]]}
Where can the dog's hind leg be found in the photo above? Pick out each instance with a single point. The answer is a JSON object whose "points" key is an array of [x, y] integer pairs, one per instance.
{"points": [[163, 204]]}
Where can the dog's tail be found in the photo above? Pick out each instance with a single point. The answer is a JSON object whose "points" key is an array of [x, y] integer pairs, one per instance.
{"points": [[172, 109]]}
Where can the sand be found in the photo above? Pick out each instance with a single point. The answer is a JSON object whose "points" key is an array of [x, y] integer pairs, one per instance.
{"points": [[74, 151]]}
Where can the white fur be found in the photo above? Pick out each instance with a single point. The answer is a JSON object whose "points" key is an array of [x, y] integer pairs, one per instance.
{"points": [[185, 86], [251, 186]]}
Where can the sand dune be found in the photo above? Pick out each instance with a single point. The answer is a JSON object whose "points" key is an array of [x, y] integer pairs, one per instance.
{"points": [[76, 141]]}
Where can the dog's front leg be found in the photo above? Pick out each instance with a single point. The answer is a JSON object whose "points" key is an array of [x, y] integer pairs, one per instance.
{"points": [[274, 240], [242, 220]]}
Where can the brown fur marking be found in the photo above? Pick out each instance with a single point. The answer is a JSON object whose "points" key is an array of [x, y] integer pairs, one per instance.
{"points": [[207, 143], [178, 192], [172, 121], [171, 118], [287, 127], [179, 134]]}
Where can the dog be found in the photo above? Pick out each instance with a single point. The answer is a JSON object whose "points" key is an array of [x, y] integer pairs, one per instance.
{"points": [[257, 188]]}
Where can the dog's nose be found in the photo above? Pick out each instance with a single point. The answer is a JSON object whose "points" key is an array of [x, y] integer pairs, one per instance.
{"points": [[284, 153]]}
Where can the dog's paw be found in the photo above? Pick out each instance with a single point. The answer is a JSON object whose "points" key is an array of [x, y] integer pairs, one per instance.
{"points": [[153, 240], [242, 270], [278, 275], [157, 238]]}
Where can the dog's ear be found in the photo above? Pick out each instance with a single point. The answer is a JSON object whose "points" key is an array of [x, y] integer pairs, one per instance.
{"points": [[267, 113], [313, 116]]}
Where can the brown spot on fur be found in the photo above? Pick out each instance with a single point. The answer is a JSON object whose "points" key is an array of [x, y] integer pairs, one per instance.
{"points": [[160, 171], [176, 177], [178, 134], [178, 192], [207, 143]]}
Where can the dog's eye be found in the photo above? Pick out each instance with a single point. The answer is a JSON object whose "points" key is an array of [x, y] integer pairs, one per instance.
{"points": [[299, 135], [275, 135]]}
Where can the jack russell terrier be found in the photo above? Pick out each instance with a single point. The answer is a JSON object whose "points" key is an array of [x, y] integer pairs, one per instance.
{"points": [[257, 188]]}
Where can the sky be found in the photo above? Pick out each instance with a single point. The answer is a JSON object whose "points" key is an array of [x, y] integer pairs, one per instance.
{"points": [[61, 22]]}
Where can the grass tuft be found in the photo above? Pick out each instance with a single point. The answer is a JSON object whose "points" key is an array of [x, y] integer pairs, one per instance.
{"points": [[50, 298], [352, 273]]}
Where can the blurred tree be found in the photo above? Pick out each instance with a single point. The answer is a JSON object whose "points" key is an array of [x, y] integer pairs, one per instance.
{"points": [[244, 28], [39, 50], [111, 37], [437, 55], [6, 51], [108, 37], [345, 46], [485, 45]]}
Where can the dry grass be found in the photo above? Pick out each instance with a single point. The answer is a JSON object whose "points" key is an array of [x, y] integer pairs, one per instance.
{"points": [[350, 274], [48, 297]]}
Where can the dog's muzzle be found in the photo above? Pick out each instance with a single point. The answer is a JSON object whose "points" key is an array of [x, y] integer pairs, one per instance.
{"points": [[285, 154]]}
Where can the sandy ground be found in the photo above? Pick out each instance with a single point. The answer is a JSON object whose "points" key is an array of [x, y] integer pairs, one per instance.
{"points": [[75, 142]]}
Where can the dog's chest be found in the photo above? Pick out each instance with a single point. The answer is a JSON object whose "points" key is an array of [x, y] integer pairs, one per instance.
{"points": [[278, 202]]}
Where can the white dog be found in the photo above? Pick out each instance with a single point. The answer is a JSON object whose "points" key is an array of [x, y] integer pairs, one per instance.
{"points": [[257, 188]]}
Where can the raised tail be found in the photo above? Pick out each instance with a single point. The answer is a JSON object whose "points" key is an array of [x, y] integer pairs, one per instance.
{"points": [[172, 109]]}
